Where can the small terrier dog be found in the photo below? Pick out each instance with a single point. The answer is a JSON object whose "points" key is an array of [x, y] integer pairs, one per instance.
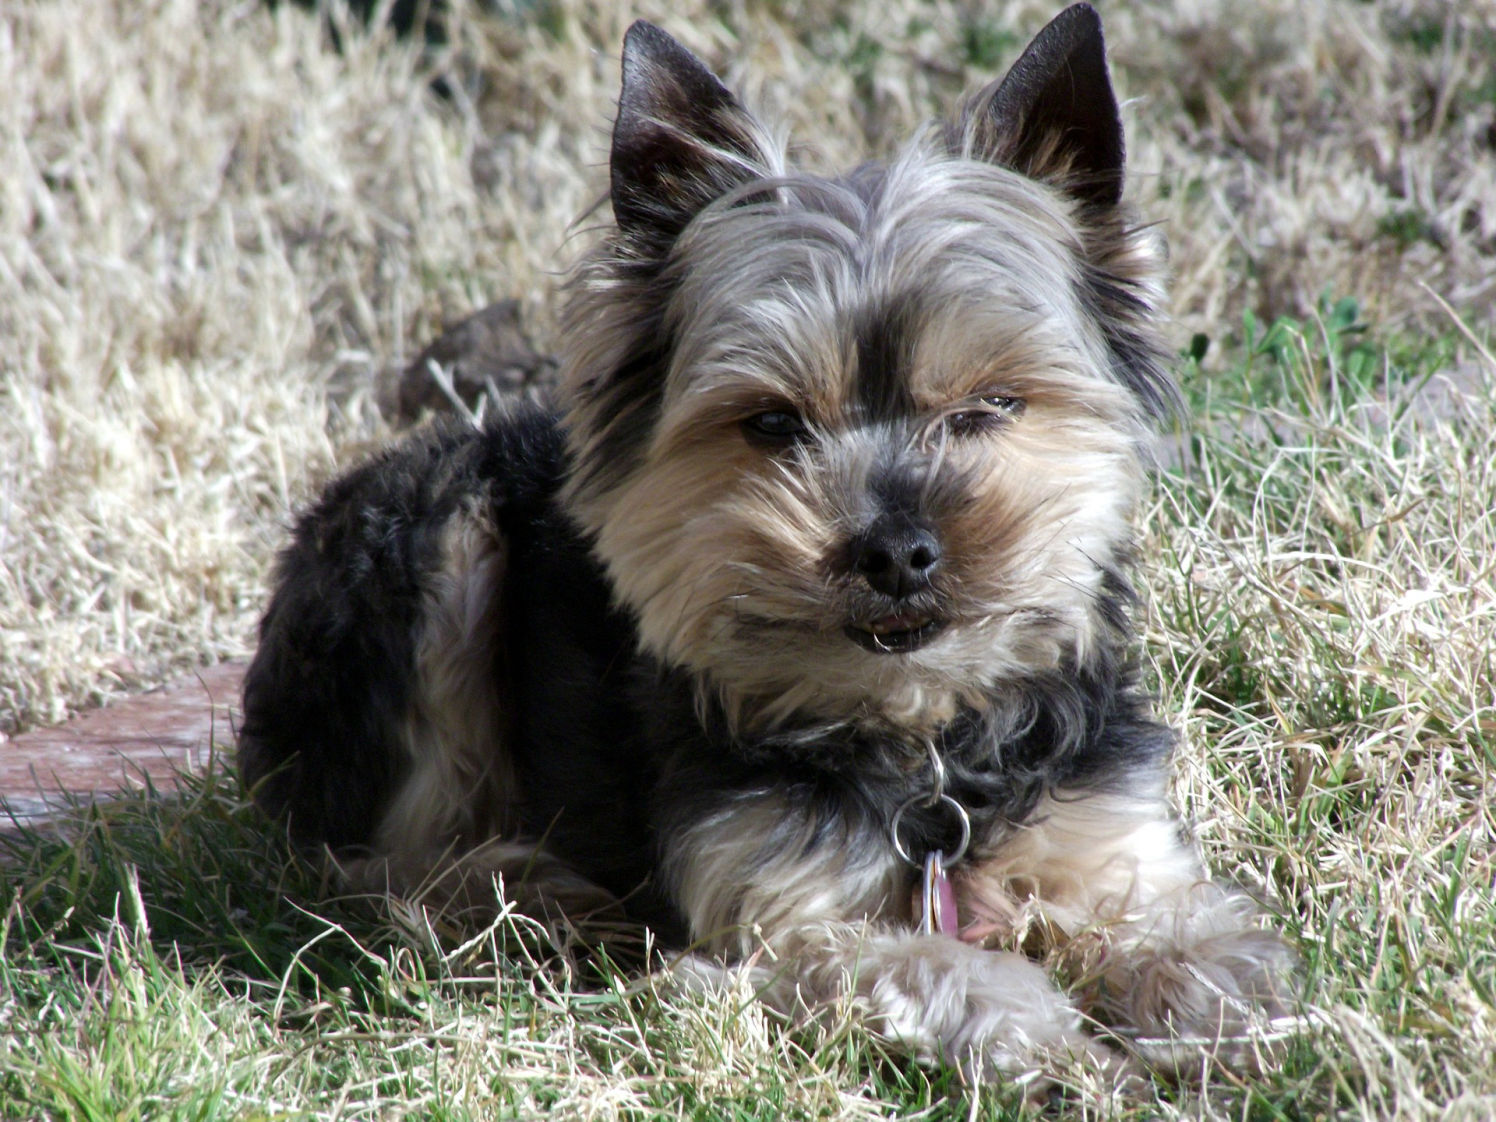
{"points": [[800, 630]]}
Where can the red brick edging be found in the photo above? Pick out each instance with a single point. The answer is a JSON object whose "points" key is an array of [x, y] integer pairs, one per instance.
{"points": [[156, 734]]}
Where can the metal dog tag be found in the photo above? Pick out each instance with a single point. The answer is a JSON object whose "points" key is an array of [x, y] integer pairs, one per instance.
{"points": [[937, 905]]}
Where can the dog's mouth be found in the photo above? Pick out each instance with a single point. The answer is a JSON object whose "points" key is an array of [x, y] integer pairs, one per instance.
{"points": [[900, 633]]}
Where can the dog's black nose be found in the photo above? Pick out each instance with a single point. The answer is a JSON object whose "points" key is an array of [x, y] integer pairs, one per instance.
{"points": [[896, 556]]}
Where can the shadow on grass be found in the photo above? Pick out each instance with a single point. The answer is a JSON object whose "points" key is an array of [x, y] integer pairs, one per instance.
{"points": [[210, 883]]}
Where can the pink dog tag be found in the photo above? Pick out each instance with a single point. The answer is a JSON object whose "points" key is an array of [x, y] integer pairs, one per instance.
{"points": [[937, 899]]}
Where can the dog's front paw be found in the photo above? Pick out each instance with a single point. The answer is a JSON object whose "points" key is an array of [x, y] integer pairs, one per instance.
{"points": [[992, 1014], [1228, 995]]}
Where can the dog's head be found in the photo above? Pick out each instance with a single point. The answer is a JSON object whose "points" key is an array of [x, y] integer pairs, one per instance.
{"points": [[866, 445]]}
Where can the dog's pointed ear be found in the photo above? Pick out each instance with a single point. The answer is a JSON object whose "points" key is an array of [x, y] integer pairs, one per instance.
{"points": [[1054, 116], [681, 139]]}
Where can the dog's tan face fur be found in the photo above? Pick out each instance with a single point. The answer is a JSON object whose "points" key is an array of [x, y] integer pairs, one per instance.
{"points": [[927, 325]]}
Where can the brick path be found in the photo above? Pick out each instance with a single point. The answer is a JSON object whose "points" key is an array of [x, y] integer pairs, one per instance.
{"points": [[156, 734]]}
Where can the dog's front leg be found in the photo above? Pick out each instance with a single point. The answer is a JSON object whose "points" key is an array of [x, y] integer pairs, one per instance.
{"points": [[816, 917], [1159, 950]]}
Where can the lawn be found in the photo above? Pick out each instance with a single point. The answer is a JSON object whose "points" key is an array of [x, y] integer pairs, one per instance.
{"points": [[223, 226]]}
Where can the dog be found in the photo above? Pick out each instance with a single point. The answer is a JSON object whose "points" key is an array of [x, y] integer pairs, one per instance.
{"points": [[799, 630]]}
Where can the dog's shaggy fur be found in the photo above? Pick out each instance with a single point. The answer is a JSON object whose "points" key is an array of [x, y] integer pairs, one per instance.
{"points": [[834, 519]]}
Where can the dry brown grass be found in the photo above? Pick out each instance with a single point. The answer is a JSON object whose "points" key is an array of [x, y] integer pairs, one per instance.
{"points": [[216, 231]]}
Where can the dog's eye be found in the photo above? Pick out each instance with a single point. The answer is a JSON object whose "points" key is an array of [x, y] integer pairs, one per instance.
{"points": [[997, 410], [1009, 405], [776, 426]]}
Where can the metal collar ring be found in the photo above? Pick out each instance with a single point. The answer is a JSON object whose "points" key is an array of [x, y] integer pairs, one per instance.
{"points": [[962, 819]]}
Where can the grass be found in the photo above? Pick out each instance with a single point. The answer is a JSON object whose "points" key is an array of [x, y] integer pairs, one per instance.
{"points": [[216, 233], [167, 959], [1324, 611]]}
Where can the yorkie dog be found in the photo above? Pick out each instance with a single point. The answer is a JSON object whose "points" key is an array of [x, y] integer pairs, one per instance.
{"points": [[800, 630]]}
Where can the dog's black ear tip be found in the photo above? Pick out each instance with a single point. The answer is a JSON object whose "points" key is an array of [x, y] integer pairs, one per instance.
{"points": [[645, 36], [642, 42], [1054, 115], [650, 44], [1080, 20], [657, 67], [1076, 30], [1082, 13]]}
